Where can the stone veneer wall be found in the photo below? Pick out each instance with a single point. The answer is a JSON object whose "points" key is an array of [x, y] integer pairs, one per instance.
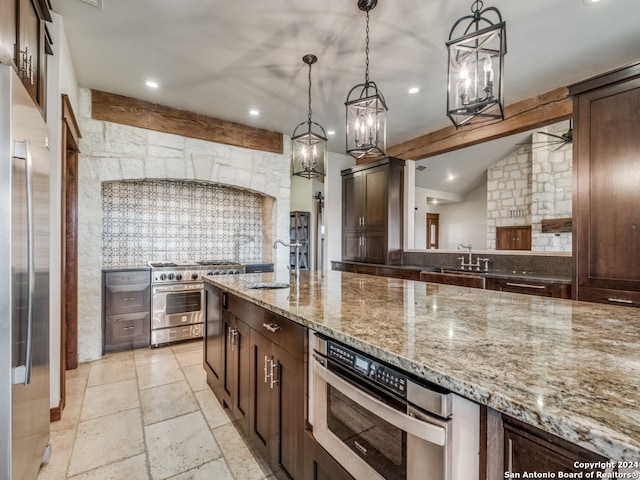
{"points": [[531, 185], [114, 152]]}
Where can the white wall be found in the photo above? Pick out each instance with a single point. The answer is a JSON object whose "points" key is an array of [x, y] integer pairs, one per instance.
{"points": [[333, 206], [61, 79], [465, 222]]}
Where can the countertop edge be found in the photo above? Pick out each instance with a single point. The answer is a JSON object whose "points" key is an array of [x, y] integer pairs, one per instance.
{"points": [[578, 430]]}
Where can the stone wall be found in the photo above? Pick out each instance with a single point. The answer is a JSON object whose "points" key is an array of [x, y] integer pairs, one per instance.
{"points": [[532, 184], [114, 152]]}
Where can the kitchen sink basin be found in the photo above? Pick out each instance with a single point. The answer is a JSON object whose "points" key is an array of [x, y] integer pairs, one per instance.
{"points": [[268, 285]]}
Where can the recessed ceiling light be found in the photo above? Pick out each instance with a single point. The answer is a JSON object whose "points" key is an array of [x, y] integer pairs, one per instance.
{"points": [[451, 177], [254, 112], [151, 84], [331, 132], [590, 2], [414, 90]]}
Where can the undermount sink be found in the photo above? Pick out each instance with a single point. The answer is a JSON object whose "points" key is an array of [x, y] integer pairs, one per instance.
{"points": [[268, 285]]}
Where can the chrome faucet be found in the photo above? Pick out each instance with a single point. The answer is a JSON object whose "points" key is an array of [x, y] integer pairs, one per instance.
{"points": [[297, 246], [470, 263]]}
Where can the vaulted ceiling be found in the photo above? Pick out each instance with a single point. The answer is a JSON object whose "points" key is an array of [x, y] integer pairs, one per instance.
{"points": [[222, 58]]}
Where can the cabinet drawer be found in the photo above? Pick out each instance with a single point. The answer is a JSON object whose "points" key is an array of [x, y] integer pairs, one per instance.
{"points": [[128, 329], [283, 332], [127, 299], [127, 277], [399, 273], [611, 297], [541, 289], [458, 279]]}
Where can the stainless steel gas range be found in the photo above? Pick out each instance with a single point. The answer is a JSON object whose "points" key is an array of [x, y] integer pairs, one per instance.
{"points": [[177, 297]]}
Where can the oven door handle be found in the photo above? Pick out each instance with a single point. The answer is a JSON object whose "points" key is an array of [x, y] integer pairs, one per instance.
{"points": [[178, 289], [426, 431]]}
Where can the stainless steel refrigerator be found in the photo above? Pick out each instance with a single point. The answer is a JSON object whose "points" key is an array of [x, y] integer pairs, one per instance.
{"points": [[24, 282]]}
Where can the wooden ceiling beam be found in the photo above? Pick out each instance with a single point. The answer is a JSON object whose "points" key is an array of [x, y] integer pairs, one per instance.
{"points": [[535, 112], [139, 113]]}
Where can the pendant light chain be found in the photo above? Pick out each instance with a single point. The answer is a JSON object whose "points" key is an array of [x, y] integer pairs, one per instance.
{"points": [[309, 117], [366, 72]]}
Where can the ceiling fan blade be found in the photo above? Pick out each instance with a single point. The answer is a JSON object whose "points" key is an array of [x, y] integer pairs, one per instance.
{"points": [[552, 135]]}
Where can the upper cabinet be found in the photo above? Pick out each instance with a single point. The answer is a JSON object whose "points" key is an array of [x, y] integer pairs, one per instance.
{"points": [[25, 43], [372, 202], [606, 228]]}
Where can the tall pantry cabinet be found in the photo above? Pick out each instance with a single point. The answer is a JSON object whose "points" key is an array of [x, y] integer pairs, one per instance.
{"points": [[606, 225], [372, 210]]}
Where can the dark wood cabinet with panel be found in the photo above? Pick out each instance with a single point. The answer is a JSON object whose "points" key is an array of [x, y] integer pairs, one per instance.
{"points": [[126, 297], [318, 464], [260, 360], [372, 202], [606, 213], [25, 43], [530, 287], [513, 238]]}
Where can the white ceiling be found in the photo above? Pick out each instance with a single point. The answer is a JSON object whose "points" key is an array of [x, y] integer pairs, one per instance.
{"points": [[224, 57]]}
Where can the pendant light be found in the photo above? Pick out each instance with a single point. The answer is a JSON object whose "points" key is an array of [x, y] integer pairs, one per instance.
{"points": [[308, 147], [366, 109], [477, 46]]}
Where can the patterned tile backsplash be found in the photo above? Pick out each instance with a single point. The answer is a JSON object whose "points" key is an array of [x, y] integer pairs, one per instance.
{"points": [[171, 220]]}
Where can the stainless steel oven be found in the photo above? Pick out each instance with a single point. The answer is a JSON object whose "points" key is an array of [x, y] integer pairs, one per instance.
{"points": [[380, 423], [178, 312]]}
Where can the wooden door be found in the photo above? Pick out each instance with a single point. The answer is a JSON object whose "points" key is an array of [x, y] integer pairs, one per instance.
{"points": [[288, 411], [261, 421], [374, 247], [607, 152], [352, 202], [375, 200], [433, 230], [242, 372], [214, 338]]}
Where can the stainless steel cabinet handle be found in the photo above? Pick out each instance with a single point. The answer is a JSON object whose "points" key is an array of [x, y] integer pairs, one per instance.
{"points": [[274, 372], [131, 327], [266, 369], [272, 327], [620, 300], [233, 333], [526, 285], [128, 299]]}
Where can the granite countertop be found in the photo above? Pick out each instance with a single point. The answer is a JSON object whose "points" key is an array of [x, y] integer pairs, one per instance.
{"points": [[570, 368]]}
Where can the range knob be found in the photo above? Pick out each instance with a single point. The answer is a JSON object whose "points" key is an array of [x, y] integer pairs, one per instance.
{"points": [[179, 277], [163, 276], [194, 276], [170, 276]]}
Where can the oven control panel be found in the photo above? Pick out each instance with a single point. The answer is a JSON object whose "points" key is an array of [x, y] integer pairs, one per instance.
{"points": [[367, 367]]}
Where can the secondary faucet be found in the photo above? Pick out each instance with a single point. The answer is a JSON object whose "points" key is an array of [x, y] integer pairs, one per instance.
{"points": [[471, 263], [297, 246]]}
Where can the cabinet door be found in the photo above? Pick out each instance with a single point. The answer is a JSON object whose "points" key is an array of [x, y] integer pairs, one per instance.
{"points": [[606, 155], [214, 338], [374, 247], [352, 208], [351, 246], [236, 369], [376, 185], [319, 465], [30, 45], [261, 421], [288, 411]]}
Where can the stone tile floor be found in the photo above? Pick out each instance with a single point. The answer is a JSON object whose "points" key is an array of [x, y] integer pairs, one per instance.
{"points": [[147, 414]]}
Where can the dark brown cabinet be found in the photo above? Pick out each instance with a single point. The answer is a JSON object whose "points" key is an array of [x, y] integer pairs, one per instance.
{"points": [[539, 288], [8, 15], [513, 238], [372, 201], [606, 150], [126, 311], [318, 464], [255, 366], [528, 449]]}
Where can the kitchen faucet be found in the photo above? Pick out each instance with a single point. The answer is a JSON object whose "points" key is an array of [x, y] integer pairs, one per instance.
{"points": [[297, 246], [470, 263]]}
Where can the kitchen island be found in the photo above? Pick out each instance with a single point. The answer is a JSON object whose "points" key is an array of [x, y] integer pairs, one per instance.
{"points": [[569, 368]]}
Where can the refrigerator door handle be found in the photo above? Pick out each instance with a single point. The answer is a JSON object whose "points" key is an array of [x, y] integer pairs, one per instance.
{"points": [[22, 373]]}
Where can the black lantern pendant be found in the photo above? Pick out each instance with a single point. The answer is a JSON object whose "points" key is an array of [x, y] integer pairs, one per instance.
{"points": [[308, 147], [366, 110], [477, 46]]}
